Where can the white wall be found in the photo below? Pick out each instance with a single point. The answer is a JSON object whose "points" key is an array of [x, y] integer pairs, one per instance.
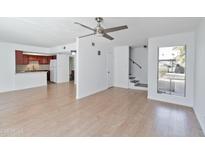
{"points": [[110, 68], [7, 67], [187, 39], [67, 49], [139, 55], [7, 63], [121, 66], [91, 68], [199, 104], [60, 48]]}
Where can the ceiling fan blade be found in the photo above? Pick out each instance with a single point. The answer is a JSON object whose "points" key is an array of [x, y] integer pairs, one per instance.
{"points": [[86, 35], [108, 30], [108, 36], [84, 26]]}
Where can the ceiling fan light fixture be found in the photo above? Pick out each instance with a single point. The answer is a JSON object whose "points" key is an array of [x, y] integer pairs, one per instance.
{"points": [[99, 31], [99, 35]]}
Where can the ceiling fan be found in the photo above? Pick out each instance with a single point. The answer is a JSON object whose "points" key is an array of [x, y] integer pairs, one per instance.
{"points": [[100, 31]]}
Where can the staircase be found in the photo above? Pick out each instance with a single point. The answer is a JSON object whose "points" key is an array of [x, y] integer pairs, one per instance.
{"points": [[135, 83]]}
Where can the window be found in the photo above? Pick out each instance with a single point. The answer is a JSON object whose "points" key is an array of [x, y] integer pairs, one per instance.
{"points": [[172, 70]]}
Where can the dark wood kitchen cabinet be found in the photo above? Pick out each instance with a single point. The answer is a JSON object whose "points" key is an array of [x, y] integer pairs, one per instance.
{"points": [[33, 58], [40, 60], [24, 59], [19, 57], [49, 59], [43, 60]]}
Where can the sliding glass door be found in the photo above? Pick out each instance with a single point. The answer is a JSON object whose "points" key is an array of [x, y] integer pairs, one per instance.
{"points": [[171, 70]]}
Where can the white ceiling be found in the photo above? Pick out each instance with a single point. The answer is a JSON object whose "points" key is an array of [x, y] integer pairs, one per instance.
{"points": [[49, 32]]}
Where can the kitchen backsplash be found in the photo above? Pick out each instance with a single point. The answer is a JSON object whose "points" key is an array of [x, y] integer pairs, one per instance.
{"points": [[30, 67]]}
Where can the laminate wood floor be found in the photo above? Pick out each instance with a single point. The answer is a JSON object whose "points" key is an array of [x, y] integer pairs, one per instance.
{"points": [[53, 111]]}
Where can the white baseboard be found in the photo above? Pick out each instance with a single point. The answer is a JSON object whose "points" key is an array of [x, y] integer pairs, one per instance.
{"points": [[169, 101], [132, 86], [90, 93], [139, 88], [200, 119]]}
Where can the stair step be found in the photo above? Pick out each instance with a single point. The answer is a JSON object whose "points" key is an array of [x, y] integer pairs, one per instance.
{"points": [[131, 77], [141, 85], [137, 84], [134, 81]]}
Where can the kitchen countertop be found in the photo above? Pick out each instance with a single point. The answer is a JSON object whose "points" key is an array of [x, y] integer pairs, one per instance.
{"points": [[37, 71]]}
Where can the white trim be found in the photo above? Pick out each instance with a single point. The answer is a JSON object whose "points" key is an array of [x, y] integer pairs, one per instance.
{"points": [[199, 118], [90, 93], [169, 101], [139, 88]]}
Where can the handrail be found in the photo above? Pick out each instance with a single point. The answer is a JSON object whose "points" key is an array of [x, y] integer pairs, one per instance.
{"points": [[135, 63]]}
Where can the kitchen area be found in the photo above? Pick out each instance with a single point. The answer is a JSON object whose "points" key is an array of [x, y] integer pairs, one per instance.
{"points": [[30, 62], [34, 69]]}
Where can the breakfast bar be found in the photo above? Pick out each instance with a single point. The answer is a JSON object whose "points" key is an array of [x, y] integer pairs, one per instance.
{"points": [[30, 79]]}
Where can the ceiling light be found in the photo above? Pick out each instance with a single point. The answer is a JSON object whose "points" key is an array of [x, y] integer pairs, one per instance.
{"points": [[73, 52], [99, 34]]}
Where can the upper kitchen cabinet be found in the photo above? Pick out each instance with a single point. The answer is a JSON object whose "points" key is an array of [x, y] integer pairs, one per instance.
{"points": [[24, 58], [43, 60], [19, 57], [50, 58], [33, 58]]}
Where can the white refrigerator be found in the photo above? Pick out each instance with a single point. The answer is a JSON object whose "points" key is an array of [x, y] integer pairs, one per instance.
{"points": [[59, 69], [53, 70], [62, 67]]}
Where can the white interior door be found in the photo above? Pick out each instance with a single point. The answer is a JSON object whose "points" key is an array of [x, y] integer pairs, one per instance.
{"points": [[109, 70]]}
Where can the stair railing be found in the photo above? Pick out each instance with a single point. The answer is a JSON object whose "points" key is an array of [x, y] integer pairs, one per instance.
{"points": [[134, 62]]}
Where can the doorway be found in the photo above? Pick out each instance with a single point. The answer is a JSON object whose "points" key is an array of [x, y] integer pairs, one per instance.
{"points": [[72, 68]]}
